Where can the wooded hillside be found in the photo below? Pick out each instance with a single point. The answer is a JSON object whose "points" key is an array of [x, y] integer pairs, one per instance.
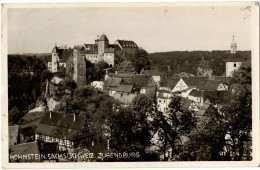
{"points": [[196, 62]]}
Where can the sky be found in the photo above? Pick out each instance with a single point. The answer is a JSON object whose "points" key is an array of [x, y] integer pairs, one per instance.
{"points": [[156, 29]]}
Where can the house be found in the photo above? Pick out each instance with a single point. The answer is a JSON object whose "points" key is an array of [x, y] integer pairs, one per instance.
{"points": [[127, 46], [68, 130], [13, 135], [121, 89], [156, 74], [232, 66], [125, 98], [144, 84], [188, 104], [168, 84], [163, 98], [112, 82], [59, 58], [98, 85], [196, 96]]}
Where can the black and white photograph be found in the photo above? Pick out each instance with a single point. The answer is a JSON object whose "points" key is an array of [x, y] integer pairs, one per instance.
{"points": [[130, 82]]}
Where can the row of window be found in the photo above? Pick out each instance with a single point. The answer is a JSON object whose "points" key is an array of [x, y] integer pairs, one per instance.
{"points": [[53, 139]]}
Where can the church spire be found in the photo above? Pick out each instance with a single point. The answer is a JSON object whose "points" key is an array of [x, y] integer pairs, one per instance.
{"points": [[233, 46]]}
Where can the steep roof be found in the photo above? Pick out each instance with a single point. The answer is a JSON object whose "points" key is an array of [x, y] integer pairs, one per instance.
{"points": [[55, 49], [195, 93], [90, 49], [112, 81], [152, 72], [25, 149], [161, 96], [60, 125], [211, 85], [170, 83], [142, 80], [224, 79], [122, 75], [65, 54], [195, 81], [127, 44], [103, 37], [186, 103], [124, 88]]}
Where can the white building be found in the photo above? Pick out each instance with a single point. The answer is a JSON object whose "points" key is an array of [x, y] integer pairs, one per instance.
{"points": [[231, 66], [98, 84]]}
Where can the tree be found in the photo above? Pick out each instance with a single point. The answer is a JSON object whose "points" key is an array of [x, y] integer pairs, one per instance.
{"points": [[238, 112], [14, 115], [207, 139], [172, 125]]}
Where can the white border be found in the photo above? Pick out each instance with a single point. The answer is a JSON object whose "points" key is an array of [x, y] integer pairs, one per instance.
{"points": [[255, 91]]}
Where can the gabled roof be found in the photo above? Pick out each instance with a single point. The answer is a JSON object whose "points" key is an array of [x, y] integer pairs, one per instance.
{"points": [[211, 85], [122, 75], [115, 46], [124, 88], [142, 80], [103, 37], [55, 49], [90, 49], [112, 81], [224, 79], [127, 44], [170, 83], [65, 54], [161, 96], [60, 124], [25, 149], [195, 93], [152, 72], [185, 103], [195, 81]]}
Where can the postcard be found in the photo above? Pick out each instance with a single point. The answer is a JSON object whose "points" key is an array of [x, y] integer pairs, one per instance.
{"points": [[120, 85]]}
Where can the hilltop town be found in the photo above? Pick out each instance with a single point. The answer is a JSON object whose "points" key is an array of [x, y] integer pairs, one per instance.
{"points": [[106, 98]]}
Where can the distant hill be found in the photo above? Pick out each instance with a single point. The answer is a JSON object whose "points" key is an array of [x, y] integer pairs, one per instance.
{"points": [[45, 57], [196, 62]]}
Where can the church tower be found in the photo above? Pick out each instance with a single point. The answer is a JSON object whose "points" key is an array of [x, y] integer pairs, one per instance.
{"points": [[102, 44], [233, 46]]}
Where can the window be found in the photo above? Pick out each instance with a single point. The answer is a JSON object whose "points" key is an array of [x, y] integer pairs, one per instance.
{"points": [[235, 65]]}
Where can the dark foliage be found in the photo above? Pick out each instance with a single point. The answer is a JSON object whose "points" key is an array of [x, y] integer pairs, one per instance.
{"points": [[24, 84], [189, 62]]}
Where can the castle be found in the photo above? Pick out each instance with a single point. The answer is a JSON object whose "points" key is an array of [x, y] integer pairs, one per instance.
{"points": [[73, 61]]}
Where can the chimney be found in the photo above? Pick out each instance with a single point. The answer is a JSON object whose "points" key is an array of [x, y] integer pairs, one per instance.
{"points": [[50, 114], [74, 117]]}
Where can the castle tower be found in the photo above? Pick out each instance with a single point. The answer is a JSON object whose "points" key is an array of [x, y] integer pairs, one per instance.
{"points": [[102, 44], [79, 73], [233, 46], [55, 59]]}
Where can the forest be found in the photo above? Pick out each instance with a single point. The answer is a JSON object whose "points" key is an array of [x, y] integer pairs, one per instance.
{"points": [[24, 84], [198, 63]]}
